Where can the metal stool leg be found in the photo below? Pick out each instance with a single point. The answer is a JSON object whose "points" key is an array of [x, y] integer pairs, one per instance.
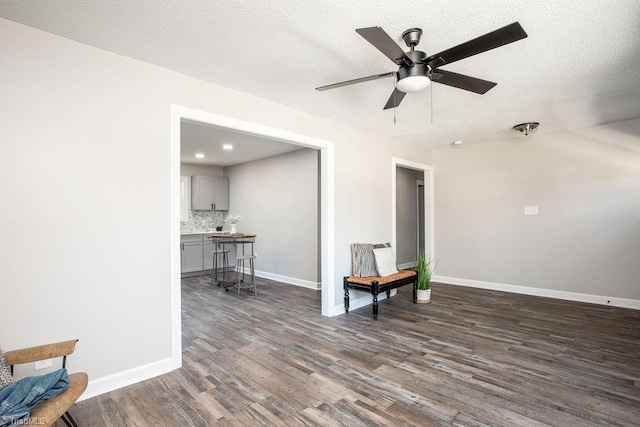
{"points": [[253, 277], [225, 266], [214, 270], [239, 262]]}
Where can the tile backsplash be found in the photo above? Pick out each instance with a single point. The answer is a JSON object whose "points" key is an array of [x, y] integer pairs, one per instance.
{"points": [[202, 220]]}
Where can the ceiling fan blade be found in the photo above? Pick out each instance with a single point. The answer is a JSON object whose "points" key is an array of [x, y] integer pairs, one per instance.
{"points": [[354, 81], [395, 99], [385, 44], [492, 40], [461, 81]]}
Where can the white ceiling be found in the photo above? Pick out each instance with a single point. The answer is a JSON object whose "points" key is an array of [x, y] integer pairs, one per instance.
{"points": [[579, 66], [202, 138]]}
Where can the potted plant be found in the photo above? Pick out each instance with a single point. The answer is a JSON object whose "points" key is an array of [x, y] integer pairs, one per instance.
{"points": [[233, 219], [425, 270]]}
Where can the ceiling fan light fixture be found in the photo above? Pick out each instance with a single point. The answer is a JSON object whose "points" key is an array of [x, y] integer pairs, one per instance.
{"points": [[411, 84], [526, 128]]}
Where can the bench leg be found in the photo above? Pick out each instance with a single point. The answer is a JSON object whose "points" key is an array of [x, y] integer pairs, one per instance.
{"points": [[346, 295], [375, 307], [374, 292], [389, 294]]}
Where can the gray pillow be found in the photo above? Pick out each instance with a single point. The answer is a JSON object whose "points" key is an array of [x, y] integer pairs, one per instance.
{"points": [[362, 261], [385, 261], [5, 373]]}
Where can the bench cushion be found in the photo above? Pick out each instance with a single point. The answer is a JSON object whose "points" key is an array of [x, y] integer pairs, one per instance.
{"points": [[402, 274]]}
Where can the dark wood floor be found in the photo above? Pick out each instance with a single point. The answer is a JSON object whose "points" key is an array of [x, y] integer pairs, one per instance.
{"points": [[471, 358]]}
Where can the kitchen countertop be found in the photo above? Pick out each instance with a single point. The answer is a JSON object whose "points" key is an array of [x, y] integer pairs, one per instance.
{"points": [[186, 233]]}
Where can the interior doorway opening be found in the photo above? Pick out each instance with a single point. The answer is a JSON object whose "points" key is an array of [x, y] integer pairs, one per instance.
{"points": [[412, 211], [326, 204]]}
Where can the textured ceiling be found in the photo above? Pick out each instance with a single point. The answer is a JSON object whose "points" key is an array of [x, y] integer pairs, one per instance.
{"points": [[579, 66]]}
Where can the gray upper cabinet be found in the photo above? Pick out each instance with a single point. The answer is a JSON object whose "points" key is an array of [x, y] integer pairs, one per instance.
{"points": [[220, 194], [209, 193], [201, 193]]}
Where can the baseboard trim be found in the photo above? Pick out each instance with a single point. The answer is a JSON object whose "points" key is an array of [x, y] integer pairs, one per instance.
{"points": [[289, 280], [548, 293], [122, 379]]}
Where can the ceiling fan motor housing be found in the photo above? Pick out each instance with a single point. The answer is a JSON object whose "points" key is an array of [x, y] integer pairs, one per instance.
{"points": [[418, 73], [412, 36]]}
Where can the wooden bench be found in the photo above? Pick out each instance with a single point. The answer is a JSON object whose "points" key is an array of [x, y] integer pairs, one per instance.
{"points": [[376, 284]]}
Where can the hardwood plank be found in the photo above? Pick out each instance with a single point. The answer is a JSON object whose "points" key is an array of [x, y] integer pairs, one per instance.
{"points": [[472, 357]]}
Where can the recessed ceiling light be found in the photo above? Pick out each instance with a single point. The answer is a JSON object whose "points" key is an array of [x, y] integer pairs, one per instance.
{"points": [[199, 156], [227, 147], [456, 143]]}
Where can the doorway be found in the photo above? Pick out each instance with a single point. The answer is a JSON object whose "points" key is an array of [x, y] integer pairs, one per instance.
{"points": [[327, 220], [411, 211], [420, 226]]}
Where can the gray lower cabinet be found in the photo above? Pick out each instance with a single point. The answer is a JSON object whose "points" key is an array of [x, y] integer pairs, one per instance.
{"points": [[197, 256], [191, 248], [208, 248]]}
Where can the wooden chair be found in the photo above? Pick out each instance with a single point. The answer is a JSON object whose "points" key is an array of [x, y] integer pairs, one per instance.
{"points": [[46, 413]]}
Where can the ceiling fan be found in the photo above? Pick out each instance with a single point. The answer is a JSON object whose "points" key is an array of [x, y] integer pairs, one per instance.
{"points": [[417, 70]]}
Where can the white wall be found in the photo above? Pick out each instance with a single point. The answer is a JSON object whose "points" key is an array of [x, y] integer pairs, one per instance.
{"points": [[586, 238], [278, 199], [189, 169], [407, 214], [84, 175]]}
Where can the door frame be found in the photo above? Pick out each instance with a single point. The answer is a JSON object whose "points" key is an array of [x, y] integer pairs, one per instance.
{"points": [[327, 210], [418, 184], [427, 170]]}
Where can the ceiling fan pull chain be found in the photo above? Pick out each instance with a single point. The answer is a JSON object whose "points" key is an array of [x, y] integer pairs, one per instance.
{"points": [[431, 92], [395, 81]]}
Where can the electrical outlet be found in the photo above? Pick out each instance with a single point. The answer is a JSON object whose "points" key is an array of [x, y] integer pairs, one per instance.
{"points": [[255, 254], [43, 364], [531, 210]]}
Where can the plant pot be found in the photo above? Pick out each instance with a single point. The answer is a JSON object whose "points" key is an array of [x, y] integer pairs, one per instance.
{"points": [[424, 296], [233, 229]]}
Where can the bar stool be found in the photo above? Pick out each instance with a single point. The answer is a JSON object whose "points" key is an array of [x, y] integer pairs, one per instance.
{"points": [[225, 265], [240, 268]]}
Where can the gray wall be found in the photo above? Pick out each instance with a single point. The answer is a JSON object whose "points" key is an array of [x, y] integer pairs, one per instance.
{"points": [[586, 238], [189, 169], [93, 236], [278, 200], [406, 214]]}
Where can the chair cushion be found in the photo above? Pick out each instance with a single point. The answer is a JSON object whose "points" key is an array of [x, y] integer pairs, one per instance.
{"points": [[50, 410], [5, 373], [385, 262]]}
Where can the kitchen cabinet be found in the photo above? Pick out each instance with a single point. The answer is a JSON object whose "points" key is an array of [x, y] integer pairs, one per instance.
{"points": [[196, 254], [202, 193], [192, 249], [220, 193], [208, 248], [209, 193]]}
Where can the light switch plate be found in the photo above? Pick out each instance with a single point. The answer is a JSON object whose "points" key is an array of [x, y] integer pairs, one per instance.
{"points": [[43, 364], [531, 210]]}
